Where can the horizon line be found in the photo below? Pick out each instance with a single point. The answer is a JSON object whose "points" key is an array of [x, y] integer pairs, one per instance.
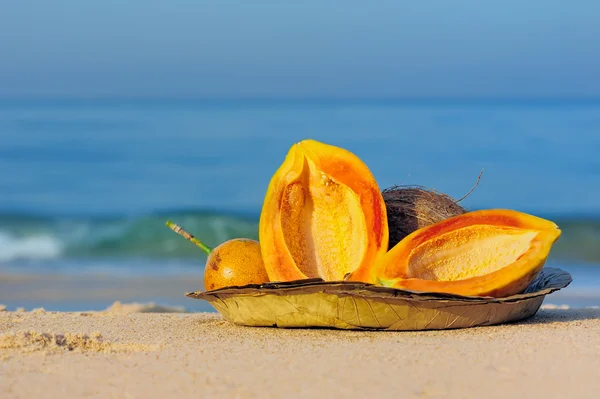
{"points": [[272, 100]]}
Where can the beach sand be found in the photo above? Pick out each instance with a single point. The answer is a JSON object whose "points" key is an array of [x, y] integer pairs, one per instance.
{"points": [[120, 353]]}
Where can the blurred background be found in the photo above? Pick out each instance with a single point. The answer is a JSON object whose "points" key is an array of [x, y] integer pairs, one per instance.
{"points": [[115, 116]]}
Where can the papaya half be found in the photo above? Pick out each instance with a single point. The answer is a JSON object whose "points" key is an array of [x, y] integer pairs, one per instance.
{"points": [[323, 216], [494, 252]]}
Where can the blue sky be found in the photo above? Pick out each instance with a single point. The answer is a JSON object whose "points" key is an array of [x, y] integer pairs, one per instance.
{"points": [[139, 48]]}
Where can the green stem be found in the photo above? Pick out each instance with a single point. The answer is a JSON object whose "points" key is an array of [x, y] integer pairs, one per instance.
{"points": [[179, 230]]}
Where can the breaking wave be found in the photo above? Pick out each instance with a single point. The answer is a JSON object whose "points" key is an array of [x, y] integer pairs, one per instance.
{"points": [[25, 237]]}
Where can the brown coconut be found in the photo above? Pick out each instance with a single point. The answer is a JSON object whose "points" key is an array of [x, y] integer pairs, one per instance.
{"points": [[410, 208]]}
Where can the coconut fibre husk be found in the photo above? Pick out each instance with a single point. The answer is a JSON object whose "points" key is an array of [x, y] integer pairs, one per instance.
{"points": [[410, 208]]}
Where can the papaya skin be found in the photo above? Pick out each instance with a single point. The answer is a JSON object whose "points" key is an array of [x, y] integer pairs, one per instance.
{"points": [[531, 238], [236, 262], [323, 215]]}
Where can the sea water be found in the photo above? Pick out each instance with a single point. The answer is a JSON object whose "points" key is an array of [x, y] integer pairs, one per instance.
{"points": [[86, 186]]}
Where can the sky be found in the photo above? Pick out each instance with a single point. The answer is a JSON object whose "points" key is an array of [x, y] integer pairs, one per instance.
{"points": [[314, 48]]}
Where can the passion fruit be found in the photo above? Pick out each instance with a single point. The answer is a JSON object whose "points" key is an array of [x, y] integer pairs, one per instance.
{"points": [[236, 262]]}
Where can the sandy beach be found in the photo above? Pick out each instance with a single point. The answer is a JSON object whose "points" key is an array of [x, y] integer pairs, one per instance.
{"points": [[120, 353]]}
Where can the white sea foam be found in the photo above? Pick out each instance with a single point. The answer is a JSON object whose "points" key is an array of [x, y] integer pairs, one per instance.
{"points": [[30, 247]]}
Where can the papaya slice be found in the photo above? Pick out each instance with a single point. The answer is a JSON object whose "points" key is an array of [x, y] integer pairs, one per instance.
{"points": [[493, 252], [323, 215]]}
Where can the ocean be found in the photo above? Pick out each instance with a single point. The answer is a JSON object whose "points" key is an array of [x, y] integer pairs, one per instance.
{"points": [[86, 186]]}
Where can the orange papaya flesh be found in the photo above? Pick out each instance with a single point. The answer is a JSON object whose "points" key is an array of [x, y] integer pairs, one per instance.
{"points": [[493, 252], [323, 215]]}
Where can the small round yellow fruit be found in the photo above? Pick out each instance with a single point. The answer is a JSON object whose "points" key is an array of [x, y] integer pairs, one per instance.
{"points": [[235, 262]]}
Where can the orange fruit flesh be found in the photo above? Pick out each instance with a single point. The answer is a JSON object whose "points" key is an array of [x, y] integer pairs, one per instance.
{"points": [[468, 252]]}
